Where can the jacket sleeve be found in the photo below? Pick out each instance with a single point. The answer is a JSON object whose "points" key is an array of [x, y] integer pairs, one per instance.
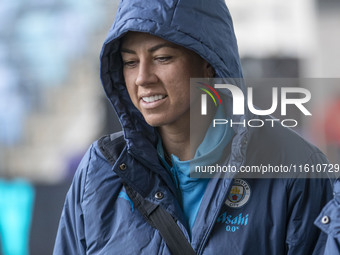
{"points": [[329, 222], [307, 196], [71, 236]]}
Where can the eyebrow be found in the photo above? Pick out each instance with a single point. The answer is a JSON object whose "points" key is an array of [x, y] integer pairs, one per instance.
{"points": [[152, 49]]}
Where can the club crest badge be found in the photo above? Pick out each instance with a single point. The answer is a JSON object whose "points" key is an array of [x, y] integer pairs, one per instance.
{"points": [[239, 194]]}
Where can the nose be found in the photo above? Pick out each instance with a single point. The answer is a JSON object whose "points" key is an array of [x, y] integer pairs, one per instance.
{"points": [[146, 74]]}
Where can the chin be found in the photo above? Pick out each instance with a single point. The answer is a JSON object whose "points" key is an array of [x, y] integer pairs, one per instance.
{"points": [[156, 122]]}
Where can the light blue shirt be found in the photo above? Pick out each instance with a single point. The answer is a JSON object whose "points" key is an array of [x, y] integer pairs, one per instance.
{"points": [[208, 153]]}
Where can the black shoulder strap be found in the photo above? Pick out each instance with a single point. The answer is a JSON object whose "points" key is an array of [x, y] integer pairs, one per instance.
{"points": [[159, 218], [111, 147]]}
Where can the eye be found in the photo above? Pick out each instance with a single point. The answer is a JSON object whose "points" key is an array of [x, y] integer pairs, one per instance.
{"points": [[129, 63], [163, 59]]}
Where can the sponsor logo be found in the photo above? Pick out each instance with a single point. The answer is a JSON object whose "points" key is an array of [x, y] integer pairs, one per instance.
{"points": [[233, 223], [239, 194]]}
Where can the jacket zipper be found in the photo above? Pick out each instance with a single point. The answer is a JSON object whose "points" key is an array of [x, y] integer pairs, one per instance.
{"points": [[200, 248]]}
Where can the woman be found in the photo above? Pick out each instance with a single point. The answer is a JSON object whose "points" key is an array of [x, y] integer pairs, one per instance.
{"points": [[151, 52]]}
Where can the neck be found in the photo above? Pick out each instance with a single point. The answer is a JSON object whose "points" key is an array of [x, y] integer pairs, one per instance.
{"points": [[176, 140], [180, 140]]}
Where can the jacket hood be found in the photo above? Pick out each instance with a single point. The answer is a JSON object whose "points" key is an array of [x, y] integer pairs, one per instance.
{"points": [[202, 26]]}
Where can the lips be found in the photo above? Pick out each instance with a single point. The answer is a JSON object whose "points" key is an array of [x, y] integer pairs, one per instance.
{"points": [[151, 99]]}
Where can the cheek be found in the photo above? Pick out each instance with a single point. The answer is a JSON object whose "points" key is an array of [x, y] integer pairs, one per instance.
{"points": [[180, 93], [180, 85], [188, 98]]}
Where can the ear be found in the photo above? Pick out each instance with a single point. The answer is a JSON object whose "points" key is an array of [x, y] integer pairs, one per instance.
{"points": [[209, 71]]}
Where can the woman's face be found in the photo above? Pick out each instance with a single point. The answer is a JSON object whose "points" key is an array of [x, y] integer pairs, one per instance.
{"points": [[157, 75]]}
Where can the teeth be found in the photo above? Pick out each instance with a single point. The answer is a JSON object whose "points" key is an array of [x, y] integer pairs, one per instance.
{"points": [[152, 98]]}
